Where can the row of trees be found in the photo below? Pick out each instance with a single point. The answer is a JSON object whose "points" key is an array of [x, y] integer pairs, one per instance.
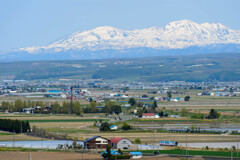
{"points": [[14, 126], [19, 105], [56, 108], [64, 108], [60, 108]]}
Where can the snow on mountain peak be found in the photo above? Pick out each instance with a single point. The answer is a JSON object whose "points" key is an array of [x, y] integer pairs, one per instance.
{"points": [[175, 35]]}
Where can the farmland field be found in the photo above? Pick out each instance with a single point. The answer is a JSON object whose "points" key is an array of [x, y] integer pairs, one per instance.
{"points": [[82, 127]]}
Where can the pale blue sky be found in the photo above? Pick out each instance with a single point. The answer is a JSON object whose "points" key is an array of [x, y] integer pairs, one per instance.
{"points": [[25, 23]]}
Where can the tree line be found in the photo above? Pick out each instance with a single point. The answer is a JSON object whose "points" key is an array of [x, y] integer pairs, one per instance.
{"points": [[60, 108], [16, 126]]}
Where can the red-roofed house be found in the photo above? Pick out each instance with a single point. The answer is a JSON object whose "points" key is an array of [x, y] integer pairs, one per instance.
{"points": [[148, 115], [120, 143]]}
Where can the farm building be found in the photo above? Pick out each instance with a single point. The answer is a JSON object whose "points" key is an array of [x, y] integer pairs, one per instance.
{"points": [[168, 143], [135, 155], [120, 143], [96, 142], [113, 127], [150, 115]]}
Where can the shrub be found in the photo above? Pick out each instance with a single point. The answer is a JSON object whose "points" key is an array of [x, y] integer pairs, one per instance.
{"points": [[213, 114], [187, 98], [138, 141], [126, 126], [104, 127]]}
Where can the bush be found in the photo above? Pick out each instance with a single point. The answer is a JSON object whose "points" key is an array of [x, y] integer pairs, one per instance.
{"points": [[104, 127], [138, 141], [187, 98], [197, 116], [213, 114], [126, 126]]}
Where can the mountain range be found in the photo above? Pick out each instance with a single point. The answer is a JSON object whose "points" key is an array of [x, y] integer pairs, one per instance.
{"points": [[176, 38]]}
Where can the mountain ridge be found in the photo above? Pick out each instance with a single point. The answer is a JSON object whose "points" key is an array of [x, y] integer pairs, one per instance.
{"points": [[178, 35]]}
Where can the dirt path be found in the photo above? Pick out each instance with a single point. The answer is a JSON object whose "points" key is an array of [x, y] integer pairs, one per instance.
{"points": [[74, 156], [47, 156]]}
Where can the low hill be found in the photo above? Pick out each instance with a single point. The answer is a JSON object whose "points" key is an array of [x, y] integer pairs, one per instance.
{"points": [[201, 67]]}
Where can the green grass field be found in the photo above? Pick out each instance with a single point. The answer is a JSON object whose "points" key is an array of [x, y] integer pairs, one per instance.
{"points": [[195, 152], [63, 120]]}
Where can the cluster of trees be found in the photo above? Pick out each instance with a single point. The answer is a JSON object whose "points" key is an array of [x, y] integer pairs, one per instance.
{"points": [[107, 154], [105, 126], [213, 114], [56, 108], [126, 126], [133, 102], [19, 105], [109, 108], [187, 98], [65, 108], [60, 108], [73, 146], [14, 126]]}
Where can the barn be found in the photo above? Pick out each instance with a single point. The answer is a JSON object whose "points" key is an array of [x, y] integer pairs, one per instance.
{"points": [[120, 143]]}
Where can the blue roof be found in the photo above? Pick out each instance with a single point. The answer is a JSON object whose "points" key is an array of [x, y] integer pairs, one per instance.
{"points": [[167, 142], [112, 152], [135, 153], [54, 91]]}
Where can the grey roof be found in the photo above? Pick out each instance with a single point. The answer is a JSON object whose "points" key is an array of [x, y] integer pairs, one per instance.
{"points": [[89, 139]]}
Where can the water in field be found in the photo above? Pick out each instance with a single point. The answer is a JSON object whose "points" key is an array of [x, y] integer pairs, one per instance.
{"points": [[53, 144]]}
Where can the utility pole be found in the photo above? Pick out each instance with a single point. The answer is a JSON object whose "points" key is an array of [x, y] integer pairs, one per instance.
{"points": [[71, 102], [237, 147], [186, 147], [30, 154], [21, 127], [153, 142], [82, 153], [14, 139]]}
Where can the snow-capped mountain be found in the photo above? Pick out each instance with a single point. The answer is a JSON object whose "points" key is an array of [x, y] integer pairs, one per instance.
{"points": [[106, 42]]}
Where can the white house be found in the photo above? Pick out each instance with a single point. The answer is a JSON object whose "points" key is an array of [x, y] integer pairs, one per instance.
{"points": [[113, 127], [156, 116]]}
